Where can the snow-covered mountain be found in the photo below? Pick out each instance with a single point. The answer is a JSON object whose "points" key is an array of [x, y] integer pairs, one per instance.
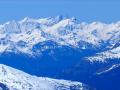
{"points": [[14, 79], [21, 36], [106, 55], [62, 47]]}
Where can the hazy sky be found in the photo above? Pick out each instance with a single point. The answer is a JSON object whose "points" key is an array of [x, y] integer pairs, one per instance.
{"points": [[84, 10]]}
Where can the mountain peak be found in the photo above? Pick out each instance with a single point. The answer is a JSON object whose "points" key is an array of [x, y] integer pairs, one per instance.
{"points": [[64, 31], [27, 19]]}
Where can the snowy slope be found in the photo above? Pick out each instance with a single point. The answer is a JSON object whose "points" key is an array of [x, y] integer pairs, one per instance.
{"points": [[58, 46], [23, 35], [106, 55], [18, 80]]}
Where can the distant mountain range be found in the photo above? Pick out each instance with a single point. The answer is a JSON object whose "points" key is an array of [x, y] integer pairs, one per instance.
{"points": [[63, 48]]}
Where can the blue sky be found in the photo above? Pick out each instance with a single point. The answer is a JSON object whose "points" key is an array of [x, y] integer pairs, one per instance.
{"points": [[85, 10]]}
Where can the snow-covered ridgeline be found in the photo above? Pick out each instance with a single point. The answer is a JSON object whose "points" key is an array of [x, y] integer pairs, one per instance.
{"points": [[18, 80], [109, 69], [23, 35], [103, 56]]}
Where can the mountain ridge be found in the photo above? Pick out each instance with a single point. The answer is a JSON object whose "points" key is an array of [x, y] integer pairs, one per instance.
{"points": [[23, 35], [18, 80], [63, 48]]}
